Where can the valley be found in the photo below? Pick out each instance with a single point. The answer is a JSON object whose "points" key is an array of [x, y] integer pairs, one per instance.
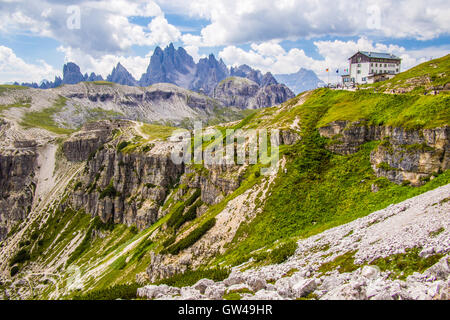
{"points": [[93, 207]]}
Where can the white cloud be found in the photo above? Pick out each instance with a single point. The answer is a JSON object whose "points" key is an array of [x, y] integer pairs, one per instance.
{"points": [[193, 52], [13, 68], [270, 56], [245, 21], [105, 26]]}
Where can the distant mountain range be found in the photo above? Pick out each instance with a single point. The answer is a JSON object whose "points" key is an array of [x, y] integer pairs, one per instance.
{"points": [[302, 80], [177, 67]]}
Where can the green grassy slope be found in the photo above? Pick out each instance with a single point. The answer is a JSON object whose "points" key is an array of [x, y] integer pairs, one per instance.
{"points": [[44, 119], [401, 110], [429, 74]]}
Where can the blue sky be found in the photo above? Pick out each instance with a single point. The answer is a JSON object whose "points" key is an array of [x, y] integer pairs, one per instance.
{"points": [[280, 36]]}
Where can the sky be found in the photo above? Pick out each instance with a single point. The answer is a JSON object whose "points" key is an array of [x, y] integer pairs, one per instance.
{"points": [[281, 36]]}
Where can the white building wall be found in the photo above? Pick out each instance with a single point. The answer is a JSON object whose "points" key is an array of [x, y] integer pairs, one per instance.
{"points": [[368, 68], [359, 72]]}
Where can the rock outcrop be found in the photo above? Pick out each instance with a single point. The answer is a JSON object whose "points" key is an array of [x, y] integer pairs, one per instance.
{"points": [[17, 169], [403, 156], [119, 187], [247, 94]]}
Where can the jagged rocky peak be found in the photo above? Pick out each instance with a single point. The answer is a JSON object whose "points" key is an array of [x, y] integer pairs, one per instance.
{"points": [[94, 77], [72, 74], [209, 73], [268, 79], [121, 75], [167, 65]]}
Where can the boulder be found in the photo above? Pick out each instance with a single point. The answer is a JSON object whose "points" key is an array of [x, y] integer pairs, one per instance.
{"points": [[203, 284]]}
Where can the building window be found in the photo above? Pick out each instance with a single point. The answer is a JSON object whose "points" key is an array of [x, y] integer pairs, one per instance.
{"points": [[364, 79], [359, 65], [359, 71]]}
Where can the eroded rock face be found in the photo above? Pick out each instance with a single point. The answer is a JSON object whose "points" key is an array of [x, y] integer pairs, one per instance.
{"points": [[92, 136], [403, 156], [247, 94], [215, 183], [16, 186], [126, 188]]}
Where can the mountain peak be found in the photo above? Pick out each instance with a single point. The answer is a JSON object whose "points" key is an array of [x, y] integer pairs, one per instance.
{"points": [[121, 75], [72, 73]]}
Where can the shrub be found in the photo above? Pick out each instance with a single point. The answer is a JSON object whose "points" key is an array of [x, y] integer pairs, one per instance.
{"points": [[169, 241], [177, 214], [283, 252], [98, 224], [24, 243], [14, 270], [118, 291], [134, 230], [192, 238], [190, 277], [122, 145], [77, 186], [21, 256], [108, 192], [190, 214], [142, 249], [192, 198], [82, 247]]}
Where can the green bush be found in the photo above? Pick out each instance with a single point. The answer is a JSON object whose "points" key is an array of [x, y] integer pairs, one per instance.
{"points": [[14, 270], [122, 145], [24, 243], [119, 291], [169, 241], [192, 238], [98, 224], [192, 198], [20, 257], [77, 186], [134, 230], [176, 214], [109, 192], [190, 214], [142, 249], [283, 252], [190, 277]]}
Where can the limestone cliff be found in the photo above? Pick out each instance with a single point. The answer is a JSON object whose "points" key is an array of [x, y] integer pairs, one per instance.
{"points": [[403, 156]]}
